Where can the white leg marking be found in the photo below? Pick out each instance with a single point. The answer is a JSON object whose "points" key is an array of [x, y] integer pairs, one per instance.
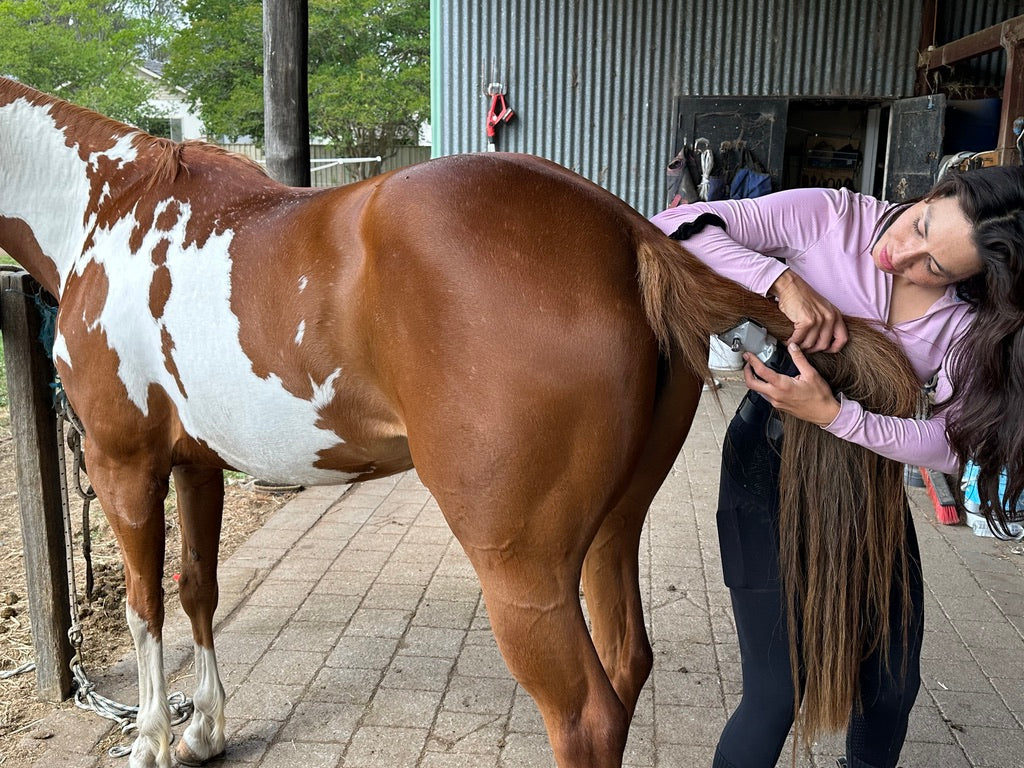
{"points": [[204, 737], [152, 745]]}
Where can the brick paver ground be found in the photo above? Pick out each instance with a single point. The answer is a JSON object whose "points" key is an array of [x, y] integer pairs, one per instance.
{"points": [[352, 634]]}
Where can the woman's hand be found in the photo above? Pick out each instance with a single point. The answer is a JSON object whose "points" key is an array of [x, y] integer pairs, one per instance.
{"points": [[806, 395], [817, 325]]}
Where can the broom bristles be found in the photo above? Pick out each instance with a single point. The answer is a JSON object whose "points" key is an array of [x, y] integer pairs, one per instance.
{"points": [[946, 511]]}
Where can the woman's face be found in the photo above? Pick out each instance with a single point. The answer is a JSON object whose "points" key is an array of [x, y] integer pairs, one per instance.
{"points": [[929, 244]]}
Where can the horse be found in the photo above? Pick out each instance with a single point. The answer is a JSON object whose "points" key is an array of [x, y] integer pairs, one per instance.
{"points": [[527, 341]]}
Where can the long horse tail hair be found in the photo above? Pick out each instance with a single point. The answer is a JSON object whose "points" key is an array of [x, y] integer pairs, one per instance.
{"points": [[842, 521]]}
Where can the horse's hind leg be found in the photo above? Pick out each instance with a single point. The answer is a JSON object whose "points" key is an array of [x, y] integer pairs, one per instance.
{"points": [[132, 493], [610, 570], [200, 492], [525, 524], [532, 597]]}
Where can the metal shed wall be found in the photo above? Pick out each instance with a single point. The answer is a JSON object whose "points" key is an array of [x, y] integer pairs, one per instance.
{"points": [[594, 82]]}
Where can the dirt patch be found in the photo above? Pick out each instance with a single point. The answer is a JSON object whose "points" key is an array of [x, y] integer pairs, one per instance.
{"points": [[106, 637]]}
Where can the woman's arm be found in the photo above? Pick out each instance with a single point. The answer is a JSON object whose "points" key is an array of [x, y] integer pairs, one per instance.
{"points": [[919, 442], [759, 234]]}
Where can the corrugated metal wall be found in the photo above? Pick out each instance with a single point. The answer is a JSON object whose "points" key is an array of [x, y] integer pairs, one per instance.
{"points": [[594, 82]]}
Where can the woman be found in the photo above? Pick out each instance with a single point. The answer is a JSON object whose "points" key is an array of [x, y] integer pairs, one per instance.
{"points": [[944, 277]]}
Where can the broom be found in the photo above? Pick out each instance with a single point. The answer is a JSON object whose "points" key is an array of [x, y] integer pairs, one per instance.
{"points": [[941, 496]]}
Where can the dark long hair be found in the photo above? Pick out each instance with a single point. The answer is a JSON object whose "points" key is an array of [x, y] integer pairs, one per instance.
{"points": [[985, 418]]}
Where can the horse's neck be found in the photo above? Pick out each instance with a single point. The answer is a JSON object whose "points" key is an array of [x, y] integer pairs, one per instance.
{"points": [[54, 178]]}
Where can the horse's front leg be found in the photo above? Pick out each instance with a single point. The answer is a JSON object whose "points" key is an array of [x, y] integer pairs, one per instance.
{"points": [[200, 492], [132, 493]]}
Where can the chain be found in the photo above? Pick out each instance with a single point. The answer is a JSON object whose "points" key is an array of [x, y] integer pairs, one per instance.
{"points": [[86, 696]]}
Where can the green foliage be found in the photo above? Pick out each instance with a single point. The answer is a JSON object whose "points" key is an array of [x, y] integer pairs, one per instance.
{"points": [[369, 78], [218, 59], [81, 50], [369, 74]]}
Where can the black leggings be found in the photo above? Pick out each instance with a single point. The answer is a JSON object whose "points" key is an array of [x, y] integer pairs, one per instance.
{"points": [[748, 529]]}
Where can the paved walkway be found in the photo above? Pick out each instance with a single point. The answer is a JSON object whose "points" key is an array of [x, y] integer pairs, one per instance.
{"points": [[352, 634]]}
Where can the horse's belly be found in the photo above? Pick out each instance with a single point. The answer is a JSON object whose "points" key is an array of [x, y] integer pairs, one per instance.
{"points": [[279, 438]]}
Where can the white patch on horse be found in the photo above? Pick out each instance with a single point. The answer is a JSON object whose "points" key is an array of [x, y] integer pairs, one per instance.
{"points": [[50, 193], [303, 282], [152, 745], [204, 736], [324, 393], [300, 332], [252, 423]]}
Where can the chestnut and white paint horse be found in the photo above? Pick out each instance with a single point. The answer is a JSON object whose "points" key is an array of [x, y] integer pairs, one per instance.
{"points": [[532, 345]]}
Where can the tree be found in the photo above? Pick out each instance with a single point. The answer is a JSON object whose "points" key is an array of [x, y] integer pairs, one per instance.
{"points": [[369, 75], [82, 50], [369, 83], [217, 57]]}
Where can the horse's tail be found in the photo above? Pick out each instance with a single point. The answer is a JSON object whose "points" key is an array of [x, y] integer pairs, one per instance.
{"points": [[842, 526]]}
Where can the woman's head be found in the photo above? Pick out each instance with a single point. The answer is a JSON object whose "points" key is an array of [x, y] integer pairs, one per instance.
{"points": [[968, 231], [929, 243], [992, 201]]}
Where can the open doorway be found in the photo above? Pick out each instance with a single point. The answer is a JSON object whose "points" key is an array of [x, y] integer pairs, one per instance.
{"points": [[835, 143]]}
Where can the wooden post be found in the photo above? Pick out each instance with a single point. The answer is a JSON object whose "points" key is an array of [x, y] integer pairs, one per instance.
{"points": [[1012, 40], [286, 90], [34, 429]]}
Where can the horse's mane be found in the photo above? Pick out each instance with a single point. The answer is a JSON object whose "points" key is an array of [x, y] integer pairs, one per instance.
{"points": [[173, 158], [169, 158]]}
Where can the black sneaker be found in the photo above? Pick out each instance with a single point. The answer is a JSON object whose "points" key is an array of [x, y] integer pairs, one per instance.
{"points": [[841, 762]]}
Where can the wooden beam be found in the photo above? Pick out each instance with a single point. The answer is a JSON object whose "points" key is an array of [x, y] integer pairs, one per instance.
{"points": [[286, 90], [975, 44], [1008, 35], [34, 430]]}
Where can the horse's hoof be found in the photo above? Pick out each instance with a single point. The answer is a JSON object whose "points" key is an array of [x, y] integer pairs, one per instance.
{"points": [[186, 756]]}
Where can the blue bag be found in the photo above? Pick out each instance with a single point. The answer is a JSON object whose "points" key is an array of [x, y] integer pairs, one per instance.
{"points": [[748, 183], [750, 180]]}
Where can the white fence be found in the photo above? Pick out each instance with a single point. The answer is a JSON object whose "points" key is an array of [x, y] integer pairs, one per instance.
{"points": [[330, 169]]}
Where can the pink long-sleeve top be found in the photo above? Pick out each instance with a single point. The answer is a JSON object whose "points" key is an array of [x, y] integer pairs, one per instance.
{"points": [[825, 236]]}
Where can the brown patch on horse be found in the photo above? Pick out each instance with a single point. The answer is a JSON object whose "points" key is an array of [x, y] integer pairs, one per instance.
{"points": [[159, 290], [82, 310], [168, 216], [167, 347]]}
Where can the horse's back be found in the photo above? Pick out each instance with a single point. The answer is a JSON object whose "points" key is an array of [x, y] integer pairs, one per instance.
{"points": [[500, 296]]}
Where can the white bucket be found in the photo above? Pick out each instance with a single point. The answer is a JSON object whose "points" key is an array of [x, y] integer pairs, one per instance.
{"points": [[981, 527]]}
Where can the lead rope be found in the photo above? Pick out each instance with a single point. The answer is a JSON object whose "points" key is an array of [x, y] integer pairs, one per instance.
{"points": [[86, 696]]}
